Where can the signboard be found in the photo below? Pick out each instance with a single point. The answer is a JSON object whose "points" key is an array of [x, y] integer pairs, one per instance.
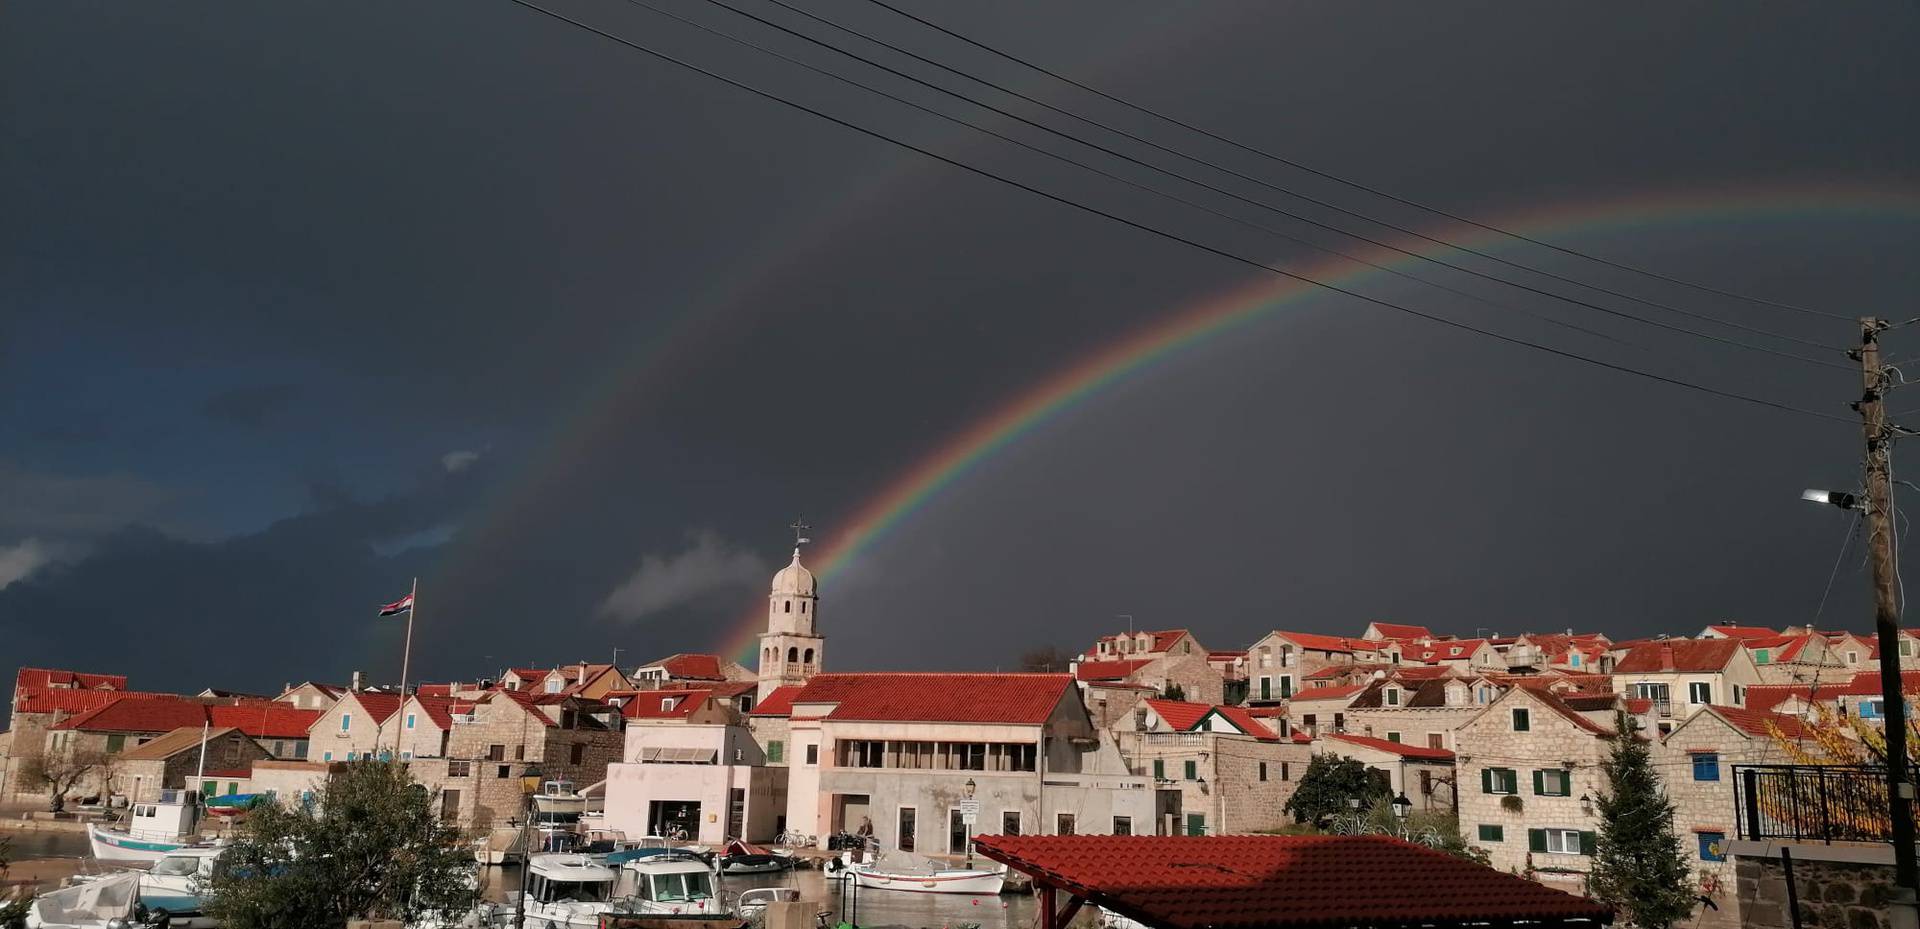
{"points": [[969, 811]]}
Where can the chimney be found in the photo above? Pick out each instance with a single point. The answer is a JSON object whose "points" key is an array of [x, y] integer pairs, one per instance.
{"points": [[356, 682], [1666, 657]]}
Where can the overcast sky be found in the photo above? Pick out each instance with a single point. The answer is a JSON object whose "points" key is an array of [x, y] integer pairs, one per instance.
{"points": [[302, 300]]}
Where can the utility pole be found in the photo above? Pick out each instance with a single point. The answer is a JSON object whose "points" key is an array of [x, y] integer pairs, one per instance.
{"points": [[1886, 610]]}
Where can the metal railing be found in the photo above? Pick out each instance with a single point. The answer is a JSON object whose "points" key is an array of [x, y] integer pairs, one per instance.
{"points": [[1821, 803]]}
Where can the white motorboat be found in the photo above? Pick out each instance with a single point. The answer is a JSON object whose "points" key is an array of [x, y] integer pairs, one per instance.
{"points": [[110, 902], [176, 884], [153, 830], [568, 891], [752, 904], [671, 884], [924, 876]]}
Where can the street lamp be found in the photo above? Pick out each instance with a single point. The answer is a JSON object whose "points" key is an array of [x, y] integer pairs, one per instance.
{"points": [[1401, 806], [967, 827], [1839, 498], [1353, 803], [1586, 804]]}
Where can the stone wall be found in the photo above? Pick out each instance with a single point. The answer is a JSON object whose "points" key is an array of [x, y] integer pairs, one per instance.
{"points": [[1552, 742], [1832, 894]]}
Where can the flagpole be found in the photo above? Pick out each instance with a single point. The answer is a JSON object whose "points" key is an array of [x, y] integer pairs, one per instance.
{"points": [[406, 654]]}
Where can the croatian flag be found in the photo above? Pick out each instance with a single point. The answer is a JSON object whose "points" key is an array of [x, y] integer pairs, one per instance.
{"points": [[402, 605]]}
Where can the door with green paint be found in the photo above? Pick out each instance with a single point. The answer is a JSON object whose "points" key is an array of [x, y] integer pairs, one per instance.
{"points": [[1196, 824]]}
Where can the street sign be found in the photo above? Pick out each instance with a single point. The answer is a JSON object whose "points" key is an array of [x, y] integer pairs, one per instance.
{"points": [[969, 811]]}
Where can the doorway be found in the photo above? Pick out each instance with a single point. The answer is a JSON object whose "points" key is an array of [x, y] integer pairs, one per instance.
{"points": [[675, 819]]}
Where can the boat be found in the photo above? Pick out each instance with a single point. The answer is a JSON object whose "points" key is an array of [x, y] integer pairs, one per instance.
{"points": [[647, 846], [752, 904], [233, 805], [673, 883], [927, 877], [557, 809], [111, 901], [568, 891], [502, 845], [742, 858], [153, 830], [174, 884]]}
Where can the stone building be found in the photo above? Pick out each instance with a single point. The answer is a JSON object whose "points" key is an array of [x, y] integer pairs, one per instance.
{"points": [[1215, 769], [1528, 767], [1793, 659], [685, 670], [1279, 663], [1682, 675], [352, 728], [1318, 710], [1138, 646], [1185, 675], [309, 695], [1423, 775], [1422, 712], [792, 650], [767, 721], [501, 737], [172, 761], [421, 727], [905, 750]]}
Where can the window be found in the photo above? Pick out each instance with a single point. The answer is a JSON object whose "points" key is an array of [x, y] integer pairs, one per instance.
{"points": [[409, 720], [352, 756], [116, 742], [1286, 686], [1706, 766], [1552, 782], [1574, 659], [1196, 824], [328, 756], [1522, 719], [1010, 823], [1393, 696], [1489, 833], [908, 825], [1874, 708], [1700, 692], [956, 832], [1123, 825], [576, 754], [813, 754], [1286, 771], [459, 769], [789, 606], [1906, 648], [1485, 695], [774, 749], [346, 721], [1560, 841], [1739, 695], [520, 752], [806, 657], [1713, 846], [1762, 656], [1853, 658], [1266, 688], [1263, 777], [1436, 740], [496, 753], [1426, 783], [666, 704], [1499, 781], [1393, 736], [1063, 823], [501, 772], [553, 685], [406, 756], [1192, 769]]}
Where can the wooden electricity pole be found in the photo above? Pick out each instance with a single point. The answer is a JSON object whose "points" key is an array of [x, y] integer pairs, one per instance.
{"points": [[1886, 614]]}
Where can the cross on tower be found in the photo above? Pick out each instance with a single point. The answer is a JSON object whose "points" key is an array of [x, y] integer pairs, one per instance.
{"points": [[800, 528]]}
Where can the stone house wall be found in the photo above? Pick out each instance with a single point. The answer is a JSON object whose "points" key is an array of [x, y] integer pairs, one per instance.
{"points": [[1707, 806], [1489, 741], [1233, 798], [1832, 894], [327, 741], [768, 730], [1415, 724], [141, 780]]}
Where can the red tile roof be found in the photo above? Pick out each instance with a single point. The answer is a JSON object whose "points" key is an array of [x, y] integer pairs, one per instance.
{"points": [[1162, 640], [438, 708], [1745, 632], [1867, 684], [1179, 714], [691, 667], [1248, 881], [1109, 670], [265, 720], [1329, 643], [1403, 631], [1245, 722], [1023, 699], [779, 701], [1327, 693], [1399, 748], [526, 701], [1754, 722], [378, 706], [72, 702], [140, 714], [231, 773], [1333, 671], [27, 679], [1678, 655], [434, 690]]}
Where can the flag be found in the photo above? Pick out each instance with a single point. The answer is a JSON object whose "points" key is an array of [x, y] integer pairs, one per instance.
{"points": [[402, 605]]}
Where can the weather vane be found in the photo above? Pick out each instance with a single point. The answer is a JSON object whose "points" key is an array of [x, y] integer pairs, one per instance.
{"points": [[800, 528]]}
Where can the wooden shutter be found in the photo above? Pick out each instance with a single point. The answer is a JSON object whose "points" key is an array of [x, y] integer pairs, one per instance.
{"points": [[1537, 840], [1159, 769], [1486, 780], [1588, 842], [1539, 782]]}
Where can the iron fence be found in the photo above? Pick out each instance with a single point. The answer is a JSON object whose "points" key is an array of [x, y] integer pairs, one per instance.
{"points": [[1820, 803]]}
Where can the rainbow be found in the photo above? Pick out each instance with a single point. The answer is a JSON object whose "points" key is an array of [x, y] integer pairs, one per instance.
{"points": [[1087, 376]]}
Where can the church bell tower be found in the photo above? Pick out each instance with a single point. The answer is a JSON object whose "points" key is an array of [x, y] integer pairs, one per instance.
{"points": [[792, 649]]}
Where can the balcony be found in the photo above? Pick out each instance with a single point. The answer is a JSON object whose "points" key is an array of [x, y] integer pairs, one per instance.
{"points": [[1812, 803]]}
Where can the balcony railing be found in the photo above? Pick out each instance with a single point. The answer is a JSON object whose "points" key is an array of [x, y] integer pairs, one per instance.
{"points": [[1817, 803]]}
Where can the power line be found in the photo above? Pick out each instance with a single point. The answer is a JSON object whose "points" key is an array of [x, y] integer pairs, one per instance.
{"points": [[1111, 176], [1352, 183], [1276, 209], [1174, 237]]}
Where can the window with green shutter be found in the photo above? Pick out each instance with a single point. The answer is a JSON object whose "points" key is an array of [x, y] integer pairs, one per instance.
{"points": [[1196, 824], [1499, 781], [775, 750], [116, 742], [1159, 769], [1266, 688], [1193, 770], [1286, 687], [1522, 720], [1551, 782], [1537, 840], [1589, 843], [1491, 833]]}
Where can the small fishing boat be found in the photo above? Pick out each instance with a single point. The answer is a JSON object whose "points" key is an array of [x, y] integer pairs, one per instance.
{"points": [[752, 904], [927, 877], [110, 902], [153, 830], [233, 805], [741, 858], [568, 891], [175, 883], [674, 883]]}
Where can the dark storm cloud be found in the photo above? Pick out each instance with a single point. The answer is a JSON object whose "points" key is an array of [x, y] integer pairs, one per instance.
{"points": [[302, 260]]}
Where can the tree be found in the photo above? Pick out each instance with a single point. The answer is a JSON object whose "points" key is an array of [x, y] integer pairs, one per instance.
{"points": [[1173, 691], [13, 909], [367, 846], [1639, 866], [61, 772], [1327, 784], [1045, 659]]}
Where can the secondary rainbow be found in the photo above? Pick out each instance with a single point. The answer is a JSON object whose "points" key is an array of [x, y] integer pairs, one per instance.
{"points": [[1196, 323]]}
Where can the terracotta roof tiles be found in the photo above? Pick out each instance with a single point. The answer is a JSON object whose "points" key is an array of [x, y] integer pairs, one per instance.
{"points": [[779, 701], [1179, 714], [1399, 748], [1025, 699], [1678, 655], [1109, 670]]}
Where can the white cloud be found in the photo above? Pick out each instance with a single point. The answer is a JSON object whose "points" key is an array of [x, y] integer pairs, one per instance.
{"points": [[457, 461], [709, 564], [20, 561]]}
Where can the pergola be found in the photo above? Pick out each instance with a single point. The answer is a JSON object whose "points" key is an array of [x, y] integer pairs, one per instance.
{"points": [[1271, 881]]}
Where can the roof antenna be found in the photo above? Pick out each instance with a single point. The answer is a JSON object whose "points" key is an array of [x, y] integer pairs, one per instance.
{"points": [[1129, 618]]}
